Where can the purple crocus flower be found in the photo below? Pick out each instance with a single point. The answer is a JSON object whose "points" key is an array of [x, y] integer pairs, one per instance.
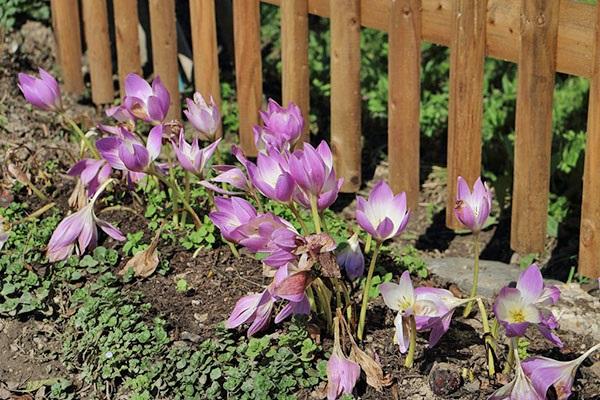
{"points": [[342, 372], [79, 231], [257, 308], [281, 127], [204, 118], [472, 209], [150, 103], [271, 177], [312, 170], [545, 372], [191, 157], [517, 308], [42, 92], [92, 173], [432, 309], [351, 258], [128, 153], [231, 213], [520, 388], [382, 215]]}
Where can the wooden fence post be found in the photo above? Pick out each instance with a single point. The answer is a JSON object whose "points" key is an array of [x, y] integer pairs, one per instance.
{"points": [[248, 68], [345, 92], [589, 236], [95, 21], [465, 106], [294, 57], [164, 49], [65, 16], [537, 65], [404, 93], [128, 43], [206, 57]]}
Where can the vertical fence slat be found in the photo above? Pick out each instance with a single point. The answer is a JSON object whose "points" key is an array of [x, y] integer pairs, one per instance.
{"points": [[204, 43], [95, 22], [345, 91], [589, 237], [294, 56], [465, 106], [248, 68], [537, 65], [404, 92], [65, 16], [164, 49], [128, 43]]}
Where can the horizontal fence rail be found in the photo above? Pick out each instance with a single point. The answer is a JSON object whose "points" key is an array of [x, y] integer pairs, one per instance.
{"points": [[541, 36]]}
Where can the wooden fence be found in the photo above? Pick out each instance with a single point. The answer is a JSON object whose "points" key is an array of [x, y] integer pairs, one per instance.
{"points": [[542, 36]]}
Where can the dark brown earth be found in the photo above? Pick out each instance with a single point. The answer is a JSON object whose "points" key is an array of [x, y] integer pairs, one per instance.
{"points": [[216, 279]]}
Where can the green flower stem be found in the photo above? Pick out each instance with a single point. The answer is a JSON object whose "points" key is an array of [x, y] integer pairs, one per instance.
{"points": [[296, 213], [366, 290], [469, 306], [233, 249], [489, 340], [86, 141], [315, 213], [177, 193], [368, 244], [410, 358], [510, 360], [186, 183], [324, 301], [257, 199]]}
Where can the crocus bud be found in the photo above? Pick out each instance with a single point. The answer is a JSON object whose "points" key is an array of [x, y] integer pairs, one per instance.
{"points": [[382, 215], [312, 170], [42, 92], [204, 118], [150, 103], [472, 209], [351, 258], [281, 127]]}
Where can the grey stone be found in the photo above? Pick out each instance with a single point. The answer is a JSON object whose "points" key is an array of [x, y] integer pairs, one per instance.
{"points": [[493, 275], [578, 311]]}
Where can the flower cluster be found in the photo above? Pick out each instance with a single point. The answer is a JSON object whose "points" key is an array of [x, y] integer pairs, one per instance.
{"points": [[309, 271]]}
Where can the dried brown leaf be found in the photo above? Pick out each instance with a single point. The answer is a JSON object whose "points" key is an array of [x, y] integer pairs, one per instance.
{"points": [[372, 369]]}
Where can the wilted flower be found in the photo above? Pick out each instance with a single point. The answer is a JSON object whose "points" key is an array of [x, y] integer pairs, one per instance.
{"points": [[312, 170], [78, 231], [351, 258], [257, 308], [232, 213], [191, 157], [42, 92], [270, 176], [204, 117], [520, 388], [120, 113], [473, 209], [281, 127], [92, 173], [383, 215], [127, 152], [432, 309], [150, 103], [518, 307], [545, 372], [342, 373]]}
